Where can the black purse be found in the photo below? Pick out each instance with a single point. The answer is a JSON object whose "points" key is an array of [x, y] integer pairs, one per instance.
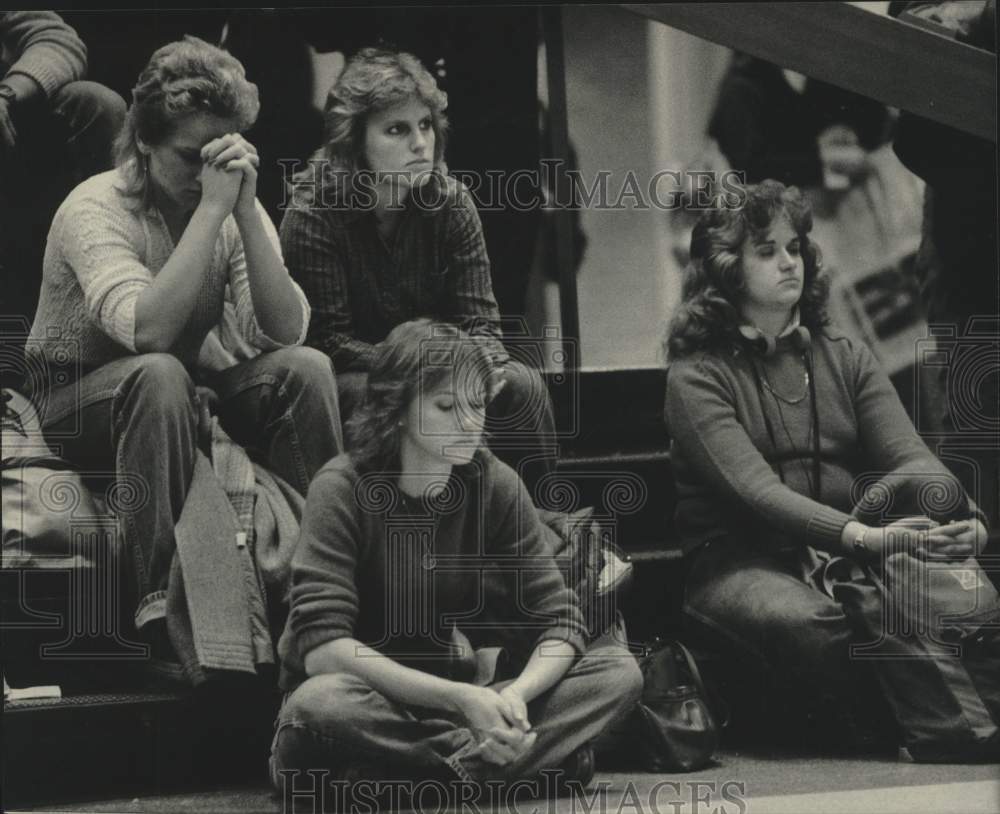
{"points": [[673, 727]]}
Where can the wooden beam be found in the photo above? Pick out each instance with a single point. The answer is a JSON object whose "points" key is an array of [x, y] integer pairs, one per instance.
{"points": [[894, 62]]}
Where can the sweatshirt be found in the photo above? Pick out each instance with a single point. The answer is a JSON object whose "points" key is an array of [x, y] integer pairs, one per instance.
{"points": [[400, 573]]}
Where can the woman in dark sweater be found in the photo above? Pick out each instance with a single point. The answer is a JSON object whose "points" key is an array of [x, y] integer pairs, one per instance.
{"points": [[783, 431], [401, 542]]}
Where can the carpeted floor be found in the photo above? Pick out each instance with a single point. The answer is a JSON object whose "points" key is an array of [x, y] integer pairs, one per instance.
{"points": [[737, 784]]}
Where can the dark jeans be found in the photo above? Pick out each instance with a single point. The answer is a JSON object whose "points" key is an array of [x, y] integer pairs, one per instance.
{"points": [[758, 608], [761, 608], [336, 721], [137, 418], [60, 143], [520, 425]]}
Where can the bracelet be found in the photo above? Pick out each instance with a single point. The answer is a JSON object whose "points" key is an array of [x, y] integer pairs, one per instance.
{"points": [[860, 549]]}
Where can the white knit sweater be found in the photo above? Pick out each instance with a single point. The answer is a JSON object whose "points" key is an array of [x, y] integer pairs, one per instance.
{"points": [[102, 251]]}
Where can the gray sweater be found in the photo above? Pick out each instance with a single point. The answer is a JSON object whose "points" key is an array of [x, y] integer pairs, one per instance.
{"points": [[727, 467], [40, 45]]}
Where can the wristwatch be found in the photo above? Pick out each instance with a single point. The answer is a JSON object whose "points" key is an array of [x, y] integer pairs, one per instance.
{"points": [[8, 94]]}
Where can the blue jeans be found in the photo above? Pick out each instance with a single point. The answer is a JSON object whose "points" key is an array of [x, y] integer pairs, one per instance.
{"points": [[137, 418], [520, 426], [336, 721]]}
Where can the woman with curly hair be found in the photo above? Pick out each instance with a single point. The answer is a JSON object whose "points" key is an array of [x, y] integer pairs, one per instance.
{"points": [[377, 234], [775, 420], [398, 538], [144, 266]]}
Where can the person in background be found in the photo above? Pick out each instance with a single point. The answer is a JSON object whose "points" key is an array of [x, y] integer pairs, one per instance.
{"points": [[377, 234], [956, 265], [55, 131], [380, 684], [773, 416], [774, 123], [163, 274]]}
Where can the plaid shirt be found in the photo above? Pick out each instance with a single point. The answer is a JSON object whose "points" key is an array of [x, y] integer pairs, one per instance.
{"points": [[361, 286]]}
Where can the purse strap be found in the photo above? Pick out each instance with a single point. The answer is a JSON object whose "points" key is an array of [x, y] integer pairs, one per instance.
{"points": [[700, 685]]}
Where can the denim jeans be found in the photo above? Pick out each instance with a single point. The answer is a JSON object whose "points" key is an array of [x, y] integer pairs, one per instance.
{"points": [[761, 608], [137, 418], [520, 425], [336, 721]]}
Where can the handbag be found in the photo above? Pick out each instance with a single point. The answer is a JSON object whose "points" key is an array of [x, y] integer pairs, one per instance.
{"points": [[597, 570], [672, 727], [931, 630]]}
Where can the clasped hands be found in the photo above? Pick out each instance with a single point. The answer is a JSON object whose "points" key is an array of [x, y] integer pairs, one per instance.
{"points": [[229, 174], [927, 539], [499, 720]]}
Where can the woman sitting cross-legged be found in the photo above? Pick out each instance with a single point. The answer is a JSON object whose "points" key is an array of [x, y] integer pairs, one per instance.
{"points": [[777, 420], [140, 265], [399, 538]]}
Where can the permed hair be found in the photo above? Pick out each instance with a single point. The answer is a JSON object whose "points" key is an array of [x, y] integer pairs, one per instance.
{"points": [[372, 80], [416, 357], [708, 316], [182, 78]]}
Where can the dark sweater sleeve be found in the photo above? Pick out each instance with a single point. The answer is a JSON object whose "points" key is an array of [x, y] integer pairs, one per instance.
{"points": [[472, 303], [315, 261], [44, 47], [324, 596], [518, 539], [703, 424], [888, 438]]}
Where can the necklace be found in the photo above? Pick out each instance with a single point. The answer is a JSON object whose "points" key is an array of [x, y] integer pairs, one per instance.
{"points": [[791, 442], [815, 483], [789, 400]]}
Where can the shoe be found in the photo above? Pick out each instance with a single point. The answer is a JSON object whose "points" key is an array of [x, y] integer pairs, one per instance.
{"points": [[272, 774]]}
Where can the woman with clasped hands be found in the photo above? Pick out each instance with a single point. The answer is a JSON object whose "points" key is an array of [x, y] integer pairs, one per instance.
{"points": [[144, 266], [400, 538], [789, 445]]}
